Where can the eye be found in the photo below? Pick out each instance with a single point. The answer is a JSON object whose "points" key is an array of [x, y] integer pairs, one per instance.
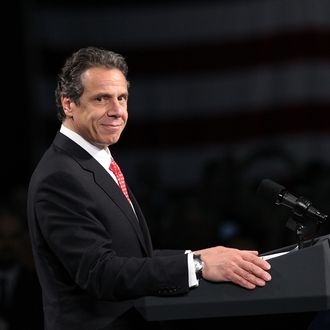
{"points": [[100, 98], [122, 97]]}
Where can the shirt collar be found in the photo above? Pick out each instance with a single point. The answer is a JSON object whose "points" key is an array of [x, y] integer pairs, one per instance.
{"points": [[103, 156]]}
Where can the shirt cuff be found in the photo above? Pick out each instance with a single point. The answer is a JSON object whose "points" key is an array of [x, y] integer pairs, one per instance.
{"points": [[192, 278]]}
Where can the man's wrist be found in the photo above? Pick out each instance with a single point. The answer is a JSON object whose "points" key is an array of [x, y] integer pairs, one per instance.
{"points": [[199, 266]]}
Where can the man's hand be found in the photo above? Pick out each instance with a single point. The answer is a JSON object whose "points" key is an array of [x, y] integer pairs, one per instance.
{"points": [[242, 267]]}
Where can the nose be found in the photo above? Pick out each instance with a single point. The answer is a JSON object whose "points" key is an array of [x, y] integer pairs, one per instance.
{"points": [[115, 108]]}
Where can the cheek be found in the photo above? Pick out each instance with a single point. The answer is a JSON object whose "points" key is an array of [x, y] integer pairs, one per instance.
{"points": [[126, 116], [92, 118]]}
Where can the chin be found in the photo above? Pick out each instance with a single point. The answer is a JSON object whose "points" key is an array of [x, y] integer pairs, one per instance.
{"points": [[113, 140]]}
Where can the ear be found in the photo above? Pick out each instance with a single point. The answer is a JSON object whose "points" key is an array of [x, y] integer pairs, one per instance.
{"points": [[67, 106]]}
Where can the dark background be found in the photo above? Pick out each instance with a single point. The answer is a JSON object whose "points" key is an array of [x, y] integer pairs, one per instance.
{"points": [[223, 94]]}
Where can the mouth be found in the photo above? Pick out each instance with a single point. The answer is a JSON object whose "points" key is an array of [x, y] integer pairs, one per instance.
{"points": [[112, 126]]}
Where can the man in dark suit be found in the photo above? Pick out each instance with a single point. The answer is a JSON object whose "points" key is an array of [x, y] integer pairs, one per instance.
{"points": [[91, 244]]}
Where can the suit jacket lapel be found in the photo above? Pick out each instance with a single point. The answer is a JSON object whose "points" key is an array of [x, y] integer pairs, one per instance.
{"points": [[142, 221], [104, 180]]}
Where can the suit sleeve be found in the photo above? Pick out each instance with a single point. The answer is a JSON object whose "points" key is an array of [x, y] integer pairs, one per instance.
{"points": [[80, 249]]}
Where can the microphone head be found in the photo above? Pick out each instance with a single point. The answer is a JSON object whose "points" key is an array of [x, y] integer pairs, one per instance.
{"points": [[279, 195], [270, 190]]}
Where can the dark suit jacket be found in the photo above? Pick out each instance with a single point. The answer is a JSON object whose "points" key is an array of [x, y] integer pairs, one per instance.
{"points": [[93, 255]]}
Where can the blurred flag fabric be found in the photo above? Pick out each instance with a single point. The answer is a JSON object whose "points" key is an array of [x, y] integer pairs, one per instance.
{"points": [[232, 69], [203, 73]]}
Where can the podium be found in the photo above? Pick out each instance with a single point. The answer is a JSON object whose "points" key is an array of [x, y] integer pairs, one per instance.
{"points": [[300, 283]]}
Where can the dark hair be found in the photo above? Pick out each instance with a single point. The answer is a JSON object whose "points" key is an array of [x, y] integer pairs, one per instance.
{"points": [[69, 82]]}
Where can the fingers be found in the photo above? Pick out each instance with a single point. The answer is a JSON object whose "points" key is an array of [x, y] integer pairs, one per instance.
{"points": [[251, 279], [250, 270], [251, 252], [253, 258], [244, 281], [248, 279], [244, 268], [251, 273]]}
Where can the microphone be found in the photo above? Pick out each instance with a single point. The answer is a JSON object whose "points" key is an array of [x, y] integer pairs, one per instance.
{"points": [[279, 195]]}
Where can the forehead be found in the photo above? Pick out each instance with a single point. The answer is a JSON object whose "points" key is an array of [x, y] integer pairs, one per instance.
{"points": [[103, 78]]}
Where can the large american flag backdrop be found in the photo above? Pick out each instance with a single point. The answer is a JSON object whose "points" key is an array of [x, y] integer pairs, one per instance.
{"points": [[202, 72], [208, 78]]}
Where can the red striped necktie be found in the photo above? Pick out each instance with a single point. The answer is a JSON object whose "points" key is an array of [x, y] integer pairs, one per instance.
{"points": [[115, 169]]}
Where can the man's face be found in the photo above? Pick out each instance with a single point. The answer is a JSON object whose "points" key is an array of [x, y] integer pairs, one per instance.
{"points": [[102, 113]]}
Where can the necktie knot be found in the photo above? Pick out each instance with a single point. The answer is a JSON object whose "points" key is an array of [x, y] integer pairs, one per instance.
{"points": [[115, 169]]}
